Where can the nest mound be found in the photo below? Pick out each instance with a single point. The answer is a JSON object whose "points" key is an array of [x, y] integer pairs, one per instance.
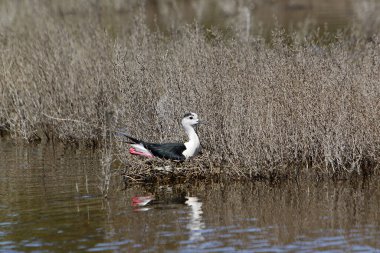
{"points": [[155, 170]]}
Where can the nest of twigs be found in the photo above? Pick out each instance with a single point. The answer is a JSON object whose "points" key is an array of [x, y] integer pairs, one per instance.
{"points": [[155, 170]]}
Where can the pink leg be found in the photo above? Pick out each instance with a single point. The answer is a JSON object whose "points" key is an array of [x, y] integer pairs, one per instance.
{"points": [[134, 152]]}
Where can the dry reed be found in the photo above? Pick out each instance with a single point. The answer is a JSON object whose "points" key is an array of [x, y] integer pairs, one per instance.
{"points": [[293, 103]]}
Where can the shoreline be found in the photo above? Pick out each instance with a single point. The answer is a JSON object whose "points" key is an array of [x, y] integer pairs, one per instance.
{"points": [[155, 171]]}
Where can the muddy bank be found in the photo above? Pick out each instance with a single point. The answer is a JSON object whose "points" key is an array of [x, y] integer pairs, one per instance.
{"points": [[142, 171]]}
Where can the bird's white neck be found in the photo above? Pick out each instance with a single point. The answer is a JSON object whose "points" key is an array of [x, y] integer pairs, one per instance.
{"points": [[191, 133], [193, 144]]}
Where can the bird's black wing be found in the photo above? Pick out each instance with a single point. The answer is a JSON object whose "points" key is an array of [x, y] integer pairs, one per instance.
{"points": [[171, 151]]}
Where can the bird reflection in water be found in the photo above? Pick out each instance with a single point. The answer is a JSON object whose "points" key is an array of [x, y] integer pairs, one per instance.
{"points": [[195, 223]]}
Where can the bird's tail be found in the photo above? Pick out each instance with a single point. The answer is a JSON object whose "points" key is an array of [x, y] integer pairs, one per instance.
{"points": [[137, 145], [132, 139]]}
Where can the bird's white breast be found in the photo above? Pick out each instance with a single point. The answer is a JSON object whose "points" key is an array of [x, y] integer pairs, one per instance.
{"points": [[192, 148], [193, 145]]}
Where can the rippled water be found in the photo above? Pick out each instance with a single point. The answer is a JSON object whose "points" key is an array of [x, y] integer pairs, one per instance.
{"points": [[50, 202]]}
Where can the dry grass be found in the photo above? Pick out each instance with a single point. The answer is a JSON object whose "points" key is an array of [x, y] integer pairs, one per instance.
{"points": [[294, 103]]}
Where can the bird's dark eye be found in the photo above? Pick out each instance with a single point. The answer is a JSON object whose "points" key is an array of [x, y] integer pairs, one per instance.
{"points": [[190, 117]]}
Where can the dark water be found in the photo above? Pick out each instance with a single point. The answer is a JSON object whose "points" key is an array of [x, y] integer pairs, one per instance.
{"points": [[50, 202]]}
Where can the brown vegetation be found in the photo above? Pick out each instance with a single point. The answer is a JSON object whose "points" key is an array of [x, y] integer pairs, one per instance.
{"points": [[292, 103]]}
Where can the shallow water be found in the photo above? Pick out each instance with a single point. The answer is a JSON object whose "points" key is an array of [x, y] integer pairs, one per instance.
{"points": [[50, 202]]}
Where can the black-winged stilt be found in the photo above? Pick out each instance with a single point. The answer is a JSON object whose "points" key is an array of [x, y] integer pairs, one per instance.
{"points": [[172, 151]]}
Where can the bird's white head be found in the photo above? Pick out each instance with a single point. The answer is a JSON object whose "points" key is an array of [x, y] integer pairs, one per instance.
{"points": [[190, 119]]}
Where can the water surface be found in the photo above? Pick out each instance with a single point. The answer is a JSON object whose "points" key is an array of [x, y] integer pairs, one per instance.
{"points": [[50, 202]]}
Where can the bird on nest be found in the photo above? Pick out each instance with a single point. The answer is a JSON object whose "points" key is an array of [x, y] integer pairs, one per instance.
{"points": [[171, 151]]}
